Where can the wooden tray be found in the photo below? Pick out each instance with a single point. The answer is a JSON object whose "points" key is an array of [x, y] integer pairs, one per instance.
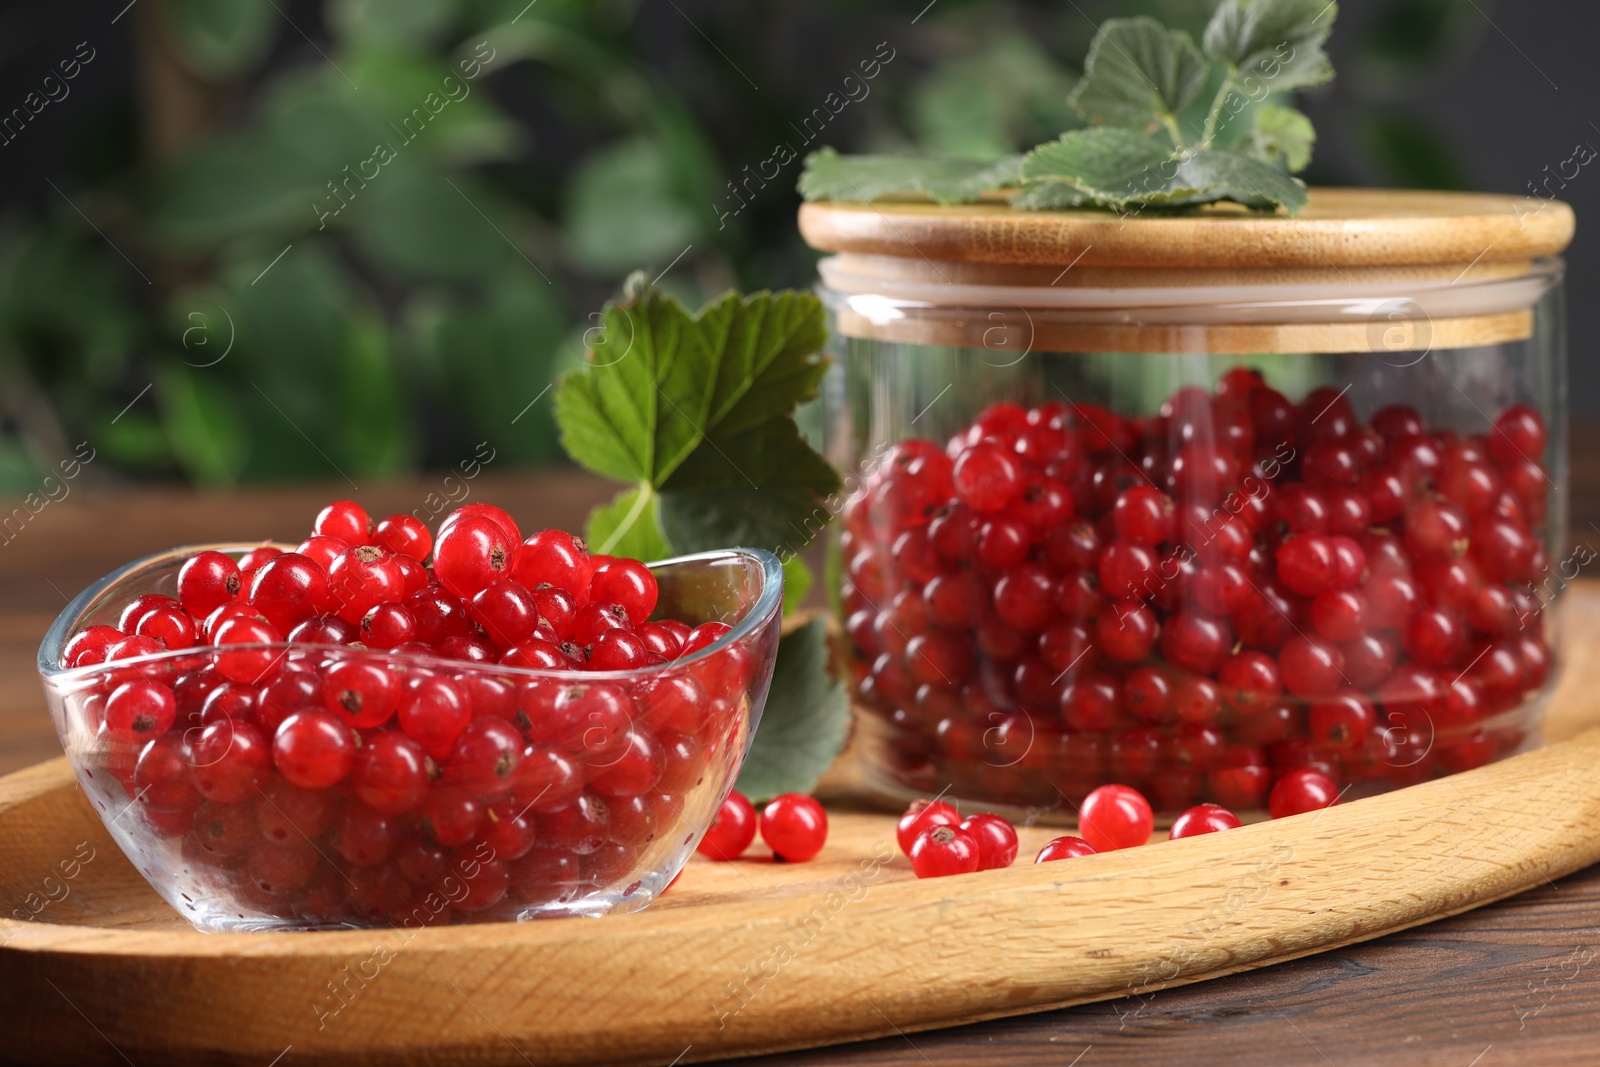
{"points": [[754, 956]]}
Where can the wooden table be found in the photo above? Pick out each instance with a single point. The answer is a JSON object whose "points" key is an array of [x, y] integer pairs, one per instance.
{"points": [[1514, 983]]}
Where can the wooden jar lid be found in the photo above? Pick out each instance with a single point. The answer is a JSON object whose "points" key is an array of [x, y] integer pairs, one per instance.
{"points": [[1351, 243]]}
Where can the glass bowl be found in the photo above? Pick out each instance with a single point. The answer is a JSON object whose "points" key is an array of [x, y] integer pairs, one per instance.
{"points": [[567, 792]]}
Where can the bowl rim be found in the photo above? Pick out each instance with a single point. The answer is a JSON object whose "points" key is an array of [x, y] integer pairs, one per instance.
{"points": [[768, 601]]}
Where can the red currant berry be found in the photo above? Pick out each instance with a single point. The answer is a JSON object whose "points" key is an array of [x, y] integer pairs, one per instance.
{"points": [[288, 590], [1311, 666], [387, 626], [1342, 720], [321, 550], [89, 646], [1435, 637], [404, 535], [555, 558], [346, 520], [207, 581], [324, 630], [252, 666], [314, 749], [1435, 528], [484, 757], [630, 769], [253, 561], [1126, 631], [923, 815], [138, 711], [1300, 791], [627, 582], [1144, 514], [731, 831], [1196, 642], [595, 618], [1306, 564], [139, 607], [1519, 434], [558, 613], [364, 577], [1002, 542], [471, 554], [944, 850], [794, 826], [364, 692], [1115, 816], [1024, 598], [390, 775], [438, 614], [506, 611], [511, 830], [1064, 848], [499, 516], [1127, 569], [987, 476], [1202, 819], [1340, 615], [231, 759], [996, 838], [172, 627], [619, 650]]}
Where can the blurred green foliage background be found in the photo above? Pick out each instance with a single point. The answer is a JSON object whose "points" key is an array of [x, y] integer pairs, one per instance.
{"points": [[229, 284]]}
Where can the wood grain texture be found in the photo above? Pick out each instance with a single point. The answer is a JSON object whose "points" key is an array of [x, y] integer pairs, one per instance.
{"points": [[1438, 994], [758, 956], [1018, 331], [1339, 228]]}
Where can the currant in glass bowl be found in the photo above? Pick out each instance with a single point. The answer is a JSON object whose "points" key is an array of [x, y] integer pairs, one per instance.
{"points": [[304, 785]]}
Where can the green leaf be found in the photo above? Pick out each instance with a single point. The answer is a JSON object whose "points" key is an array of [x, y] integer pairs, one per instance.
{"points": [[422, 226], [1114, 166], [1007, 92], [221, 41], [1050, 196], [1281, 135], [805, 723], [374, 430], [203, 424], [1278, 42], [1215, 174], [622, 210], [1138, 74], [697, 411], [1119, 168], [232, 185], [629, 526], [416, 23], [830, 176], [760, 488], [488, 360], [796, 583], [665, 380]]}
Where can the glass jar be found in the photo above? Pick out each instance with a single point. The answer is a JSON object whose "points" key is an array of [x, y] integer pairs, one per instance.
{"points": [[1192, 502]]}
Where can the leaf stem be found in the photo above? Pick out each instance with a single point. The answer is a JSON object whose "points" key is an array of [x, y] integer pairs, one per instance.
{"points": [[1170, 121], [641, 505], [1216, 106]]}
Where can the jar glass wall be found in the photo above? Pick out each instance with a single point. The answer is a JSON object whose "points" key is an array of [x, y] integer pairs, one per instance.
{"points": [[1191, 538]]}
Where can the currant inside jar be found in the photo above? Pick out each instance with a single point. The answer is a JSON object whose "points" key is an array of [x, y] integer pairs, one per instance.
{"points": [[1195, 503]]}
